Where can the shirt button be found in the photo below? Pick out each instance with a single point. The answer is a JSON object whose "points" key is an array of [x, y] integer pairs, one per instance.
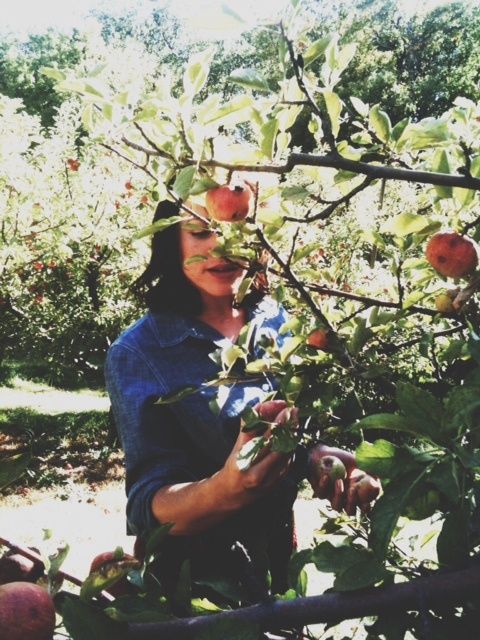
{"points": [[265, 387]]}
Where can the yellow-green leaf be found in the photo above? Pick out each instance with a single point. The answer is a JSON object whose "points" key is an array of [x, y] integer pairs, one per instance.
{"points": [[334, 109], [380, 123]]}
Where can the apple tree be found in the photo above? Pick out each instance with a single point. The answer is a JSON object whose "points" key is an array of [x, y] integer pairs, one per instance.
{"points": [[381, 351]]}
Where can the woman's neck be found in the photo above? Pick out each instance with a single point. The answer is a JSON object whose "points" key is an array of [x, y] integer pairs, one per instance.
{"points": [[220, 314]]}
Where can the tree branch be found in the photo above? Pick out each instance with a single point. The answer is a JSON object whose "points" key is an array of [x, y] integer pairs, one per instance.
{"points": [[442, 588], [325, 213], [373, 302], [375, 171]]}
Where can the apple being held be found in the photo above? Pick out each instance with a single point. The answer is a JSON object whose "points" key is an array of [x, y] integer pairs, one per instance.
{"points": [[451, 254], [27, 612], [229, 202]]}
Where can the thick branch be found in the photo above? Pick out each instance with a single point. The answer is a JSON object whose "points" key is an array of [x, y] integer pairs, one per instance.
{"points": [[373, 302], [448, 588], [375, 171]]}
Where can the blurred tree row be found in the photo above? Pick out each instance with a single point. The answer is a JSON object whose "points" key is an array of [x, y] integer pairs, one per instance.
{"points": [[414, 65]]}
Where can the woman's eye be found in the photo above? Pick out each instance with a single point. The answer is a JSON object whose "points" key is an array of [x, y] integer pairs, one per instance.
{"points": [[204, 233]]}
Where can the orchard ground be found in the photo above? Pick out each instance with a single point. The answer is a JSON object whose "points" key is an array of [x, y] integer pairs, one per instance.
{"points": [[88, 513]]}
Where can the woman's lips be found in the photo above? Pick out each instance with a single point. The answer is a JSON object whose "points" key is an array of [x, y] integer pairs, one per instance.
{"points": [[224, 270]]}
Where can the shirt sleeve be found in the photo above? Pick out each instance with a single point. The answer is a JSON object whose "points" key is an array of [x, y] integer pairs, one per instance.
{"points": [[150, 434]]}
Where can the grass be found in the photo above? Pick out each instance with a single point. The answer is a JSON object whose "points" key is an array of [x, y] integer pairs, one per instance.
{"points": [[68, 433]]}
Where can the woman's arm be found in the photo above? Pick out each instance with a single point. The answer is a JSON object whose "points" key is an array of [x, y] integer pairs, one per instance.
{"points": [[193, 507]]}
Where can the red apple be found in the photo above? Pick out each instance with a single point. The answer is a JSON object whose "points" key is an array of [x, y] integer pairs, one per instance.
{"points": [[362, 490], [73, 164], [269, 410], [318, 339], [27, 612], [123, 587], [451, 254], [15, 567], [229, 202]]}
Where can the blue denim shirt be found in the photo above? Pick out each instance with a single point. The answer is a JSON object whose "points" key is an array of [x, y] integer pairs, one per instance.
{"points": [[184, 441]]}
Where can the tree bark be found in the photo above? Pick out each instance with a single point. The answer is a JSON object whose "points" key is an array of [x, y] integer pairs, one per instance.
{"points": [[442, 588]]}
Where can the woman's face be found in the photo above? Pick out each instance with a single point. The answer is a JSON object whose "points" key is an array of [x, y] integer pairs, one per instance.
{"points": [[213, 277]]}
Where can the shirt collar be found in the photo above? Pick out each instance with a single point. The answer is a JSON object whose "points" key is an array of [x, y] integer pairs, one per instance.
{"points": [[173, 328]]}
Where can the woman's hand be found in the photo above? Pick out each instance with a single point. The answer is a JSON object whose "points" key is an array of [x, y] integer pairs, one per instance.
{"points": [[250, 476], [334, 476]]}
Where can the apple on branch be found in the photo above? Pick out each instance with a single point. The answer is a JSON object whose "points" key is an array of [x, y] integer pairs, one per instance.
{"points": [[451, 254], [229, 202]]}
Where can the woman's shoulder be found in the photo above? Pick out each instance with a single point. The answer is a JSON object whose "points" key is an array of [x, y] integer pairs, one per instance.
{"points": [[155, 330]]}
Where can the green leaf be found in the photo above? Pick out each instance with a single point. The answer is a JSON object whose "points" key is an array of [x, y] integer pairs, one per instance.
{"points": [[85, 622], [196, 73], [380, 123], [316, 49], [237, 110], [460, 405], [382, 458], [139, 609], [360, 337], [290, 345], [388, 509], [390, 421], [156, 538], [230, 355], [399, 128], [334, 109], [105, 577], [441, 164], [291, 388], [228, 589], [55, 560], [268, 134], [228, 11], [250, 78], [405, 223], [52, 72], [427, 133], [360, 107], [170, 398], [159, 225], [284, 439], [444, 476], [366, 572], [296, 566], [354, 567], [202, 185], [13, 467], [184, 181], [421, 408]]}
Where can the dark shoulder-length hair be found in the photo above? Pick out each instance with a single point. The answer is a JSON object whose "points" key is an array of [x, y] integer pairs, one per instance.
{"points": [[163, 285]]}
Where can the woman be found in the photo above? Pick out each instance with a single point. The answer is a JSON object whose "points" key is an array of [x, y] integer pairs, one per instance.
{"points": [[181, 458]]}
